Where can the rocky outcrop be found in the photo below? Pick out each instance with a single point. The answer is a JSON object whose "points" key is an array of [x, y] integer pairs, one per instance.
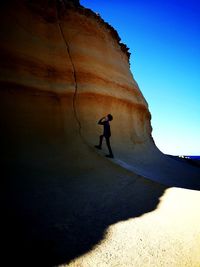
{"points": [[63, 67]]}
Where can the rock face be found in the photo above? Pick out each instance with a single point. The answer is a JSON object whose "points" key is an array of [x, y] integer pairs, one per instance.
{"points": [[62, 69]]}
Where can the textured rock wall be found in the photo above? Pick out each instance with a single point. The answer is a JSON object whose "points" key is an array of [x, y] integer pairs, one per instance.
{"points": [[62, 68]]}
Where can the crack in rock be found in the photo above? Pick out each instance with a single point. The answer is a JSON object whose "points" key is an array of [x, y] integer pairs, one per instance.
{"points": [[74, 75]]}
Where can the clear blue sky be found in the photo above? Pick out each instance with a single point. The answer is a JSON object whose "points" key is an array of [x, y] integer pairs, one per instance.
{"points": [[164, 41]]}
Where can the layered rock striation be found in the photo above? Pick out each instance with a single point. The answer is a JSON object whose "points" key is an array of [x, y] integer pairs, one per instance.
{"points": [[62, 68]]}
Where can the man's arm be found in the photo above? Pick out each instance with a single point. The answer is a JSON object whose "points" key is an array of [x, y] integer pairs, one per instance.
{"points": [[101, 122]]}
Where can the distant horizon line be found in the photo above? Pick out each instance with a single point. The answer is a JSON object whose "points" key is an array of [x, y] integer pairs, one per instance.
{"points": [[190, 156]]}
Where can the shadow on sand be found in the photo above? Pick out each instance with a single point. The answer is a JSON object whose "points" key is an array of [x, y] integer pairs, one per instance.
{"points": [[52, 218]]}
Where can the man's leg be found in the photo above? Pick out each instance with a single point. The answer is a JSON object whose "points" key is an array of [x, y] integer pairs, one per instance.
{"points": [[100, 142], [109, 148]]}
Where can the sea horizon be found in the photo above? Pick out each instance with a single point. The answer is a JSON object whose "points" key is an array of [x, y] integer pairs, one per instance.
{"points": [[196, 157], [193, 157]]}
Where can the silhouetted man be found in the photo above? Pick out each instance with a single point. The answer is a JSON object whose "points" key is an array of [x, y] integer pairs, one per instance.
{"points": [[105, 121]]}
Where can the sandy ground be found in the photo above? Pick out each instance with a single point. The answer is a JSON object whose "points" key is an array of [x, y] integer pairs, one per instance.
{"points": [[98, 214], [167, 236]]}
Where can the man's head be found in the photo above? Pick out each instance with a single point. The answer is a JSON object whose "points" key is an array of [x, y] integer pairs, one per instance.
{"points": [[110, 117]]}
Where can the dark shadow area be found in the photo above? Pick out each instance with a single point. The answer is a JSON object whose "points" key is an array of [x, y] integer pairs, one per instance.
{"points": [[51, 217]]}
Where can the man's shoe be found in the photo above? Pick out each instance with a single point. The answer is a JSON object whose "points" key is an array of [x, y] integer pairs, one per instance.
{"points": [[110, 156], [98, 147]]}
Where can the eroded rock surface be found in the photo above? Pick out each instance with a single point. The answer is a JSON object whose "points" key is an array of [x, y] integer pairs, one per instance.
{"points": [[62, 68]]}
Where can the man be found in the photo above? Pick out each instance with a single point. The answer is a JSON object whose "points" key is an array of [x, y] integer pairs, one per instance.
{"points": [[105, 121]]}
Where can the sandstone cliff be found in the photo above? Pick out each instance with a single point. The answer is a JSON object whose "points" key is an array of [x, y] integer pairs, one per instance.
{"points": [[62, 68], [73, 63]]}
